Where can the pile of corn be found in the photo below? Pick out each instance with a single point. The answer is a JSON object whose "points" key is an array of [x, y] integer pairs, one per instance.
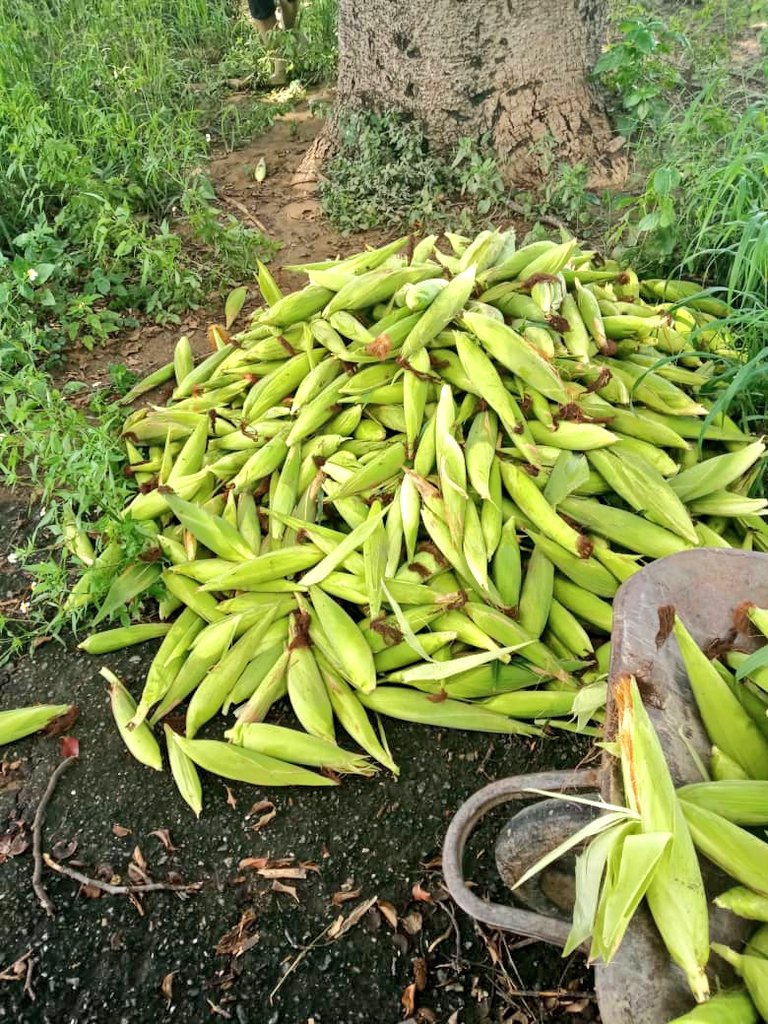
{"points": [[651, 851], [412, 488]]}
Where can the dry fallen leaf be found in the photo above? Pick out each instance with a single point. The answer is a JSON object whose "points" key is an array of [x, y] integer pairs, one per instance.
{"points": [[339, 898], [165, 838], [138, 858], [440, 938], [269, 812], [389, 913], [412, 922], [121, 831], [252, 863], [310, 865], [18, 968], [91, 892], [63, 850], [288, 890], [136, 874], [259, 807], [354, 917], [408, 999], [167, 986], [12, 844], [296, 872], [239, 938], [218, 1010], [420, 894], [69, 746], [577, 1006], [230, 797], [419, 973]]}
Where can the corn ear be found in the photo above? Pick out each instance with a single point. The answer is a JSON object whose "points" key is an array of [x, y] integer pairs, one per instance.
{"points": [[139, 739]]}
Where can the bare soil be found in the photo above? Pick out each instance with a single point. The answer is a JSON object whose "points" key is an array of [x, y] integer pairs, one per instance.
{"points": [[284, 207]]}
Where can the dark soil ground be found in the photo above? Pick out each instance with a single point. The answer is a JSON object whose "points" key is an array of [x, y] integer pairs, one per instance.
{"points": [[104, 957], [241, 948]]}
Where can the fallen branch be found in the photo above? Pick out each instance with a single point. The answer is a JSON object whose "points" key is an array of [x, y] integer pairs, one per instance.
{"points": [[246, 213], [118, 890], [37, 836], [532, 215]]}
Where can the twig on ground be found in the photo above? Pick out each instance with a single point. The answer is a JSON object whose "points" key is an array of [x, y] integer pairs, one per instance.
{"points": [[246, 213], [118, 890], [296, 961], [529, 215], [28, 980], [37, 836]]}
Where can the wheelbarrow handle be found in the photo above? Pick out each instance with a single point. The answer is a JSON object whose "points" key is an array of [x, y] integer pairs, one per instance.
{"points": [[511, 919]]}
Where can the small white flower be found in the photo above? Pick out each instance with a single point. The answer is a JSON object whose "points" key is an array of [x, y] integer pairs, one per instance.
{"points": [[207, 137], [174, 211], [24, 607], [43, 510], [32, 274], [13, 558], [32, 585]]}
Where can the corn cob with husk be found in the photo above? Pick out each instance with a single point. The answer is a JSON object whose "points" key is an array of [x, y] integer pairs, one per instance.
{"points": [[447, 399]]}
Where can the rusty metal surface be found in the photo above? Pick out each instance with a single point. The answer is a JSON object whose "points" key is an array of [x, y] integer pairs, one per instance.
{"points": [[641, 985]]}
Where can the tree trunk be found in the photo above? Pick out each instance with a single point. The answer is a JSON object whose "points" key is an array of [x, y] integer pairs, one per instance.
{"points": [[514, 70]]}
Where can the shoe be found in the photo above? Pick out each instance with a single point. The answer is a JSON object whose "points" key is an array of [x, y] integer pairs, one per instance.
{"points": [[279, 75]]}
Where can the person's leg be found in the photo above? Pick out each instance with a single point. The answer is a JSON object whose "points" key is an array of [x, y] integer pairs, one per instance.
{"points": [[290, 9], [263, 15]]}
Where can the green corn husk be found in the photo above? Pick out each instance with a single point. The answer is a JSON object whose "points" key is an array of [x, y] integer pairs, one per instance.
{"points": [[20, 722], [728, 725], [241, 765], [742, 801], [675, 895], [298, 748], [744, 903], [753, 970], [723, 1008], [739, 853], [410, 706]]}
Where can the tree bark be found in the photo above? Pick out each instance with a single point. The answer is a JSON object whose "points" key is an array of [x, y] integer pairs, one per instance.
{"points": [[513, 70]]}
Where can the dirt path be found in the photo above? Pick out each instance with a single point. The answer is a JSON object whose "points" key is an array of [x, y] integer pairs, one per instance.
{"points": [[284, 208]]}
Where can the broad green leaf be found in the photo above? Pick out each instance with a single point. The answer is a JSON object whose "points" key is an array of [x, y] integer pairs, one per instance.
{"points": [[446, 669], [587, 701], [234, 304], [404, 626], [134, 580], [590, 866], [757, 660], [593, 828], [629, 871]]}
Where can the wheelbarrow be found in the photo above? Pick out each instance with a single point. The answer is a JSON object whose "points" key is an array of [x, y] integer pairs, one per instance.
{"points": [[641, 985]]}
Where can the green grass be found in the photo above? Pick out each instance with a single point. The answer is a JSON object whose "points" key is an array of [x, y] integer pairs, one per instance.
{"points": [[108, 114]]}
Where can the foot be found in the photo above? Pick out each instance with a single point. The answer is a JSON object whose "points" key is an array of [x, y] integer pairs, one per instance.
{"points": [[279, 75]]}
